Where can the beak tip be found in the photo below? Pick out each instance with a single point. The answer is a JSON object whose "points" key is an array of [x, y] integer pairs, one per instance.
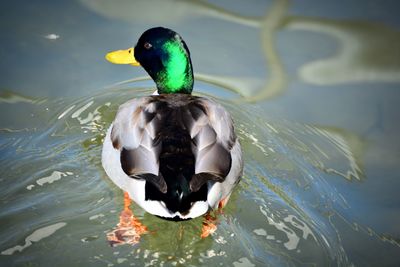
{"points": [[108, 57]]}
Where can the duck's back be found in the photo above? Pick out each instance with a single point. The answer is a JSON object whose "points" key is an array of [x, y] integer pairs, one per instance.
{"points": [[179, 144]]}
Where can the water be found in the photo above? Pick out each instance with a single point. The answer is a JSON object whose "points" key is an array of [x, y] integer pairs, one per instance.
{"points": [[313, 89]]}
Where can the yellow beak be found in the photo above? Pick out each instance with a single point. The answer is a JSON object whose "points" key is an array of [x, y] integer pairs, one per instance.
{"points": [[123, 57]]}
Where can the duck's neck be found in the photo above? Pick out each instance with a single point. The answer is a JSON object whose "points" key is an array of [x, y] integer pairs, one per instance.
{"points": [[177, 74]]}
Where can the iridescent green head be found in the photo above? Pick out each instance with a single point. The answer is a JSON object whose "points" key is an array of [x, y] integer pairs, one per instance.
{"points": [[165, 57]]}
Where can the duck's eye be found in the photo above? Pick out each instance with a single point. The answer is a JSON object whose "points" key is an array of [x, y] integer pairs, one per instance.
{"points": [[147, 45]]}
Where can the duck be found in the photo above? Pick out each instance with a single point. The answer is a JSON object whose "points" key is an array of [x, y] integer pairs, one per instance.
{"points": [[174, 154]]}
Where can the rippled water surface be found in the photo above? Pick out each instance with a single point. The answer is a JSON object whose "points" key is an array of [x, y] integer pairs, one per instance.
{"points": [[315, 104]]}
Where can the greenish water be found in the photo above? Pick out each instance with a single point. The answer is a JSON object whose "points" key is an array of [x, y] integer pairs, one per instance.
{"points": [[313, 88]]}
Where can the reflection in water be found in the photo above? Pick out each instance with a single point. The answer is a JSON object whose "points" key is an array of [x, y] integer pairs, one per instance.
{"points": [[243, 262], [293, 239], [12, 98], [367, 52], [52, 36], [269, 25], [179, 10], [36, 236], [351, 147], [55, 176]]}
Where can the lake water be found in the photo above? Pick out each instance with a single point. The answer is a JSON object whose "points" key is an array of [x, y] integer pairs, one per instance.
{"points": [[314, 89]]}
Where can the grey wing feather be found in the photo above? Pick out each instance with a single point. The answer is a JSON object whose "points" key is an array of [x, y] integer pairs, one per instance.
{"points": [[133, 133], [213, 136]]}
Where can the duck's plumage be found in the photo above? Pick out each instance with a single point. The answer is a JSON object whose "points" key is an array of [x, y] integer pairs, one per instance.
{"points": [[177, 147], [177, 155]]}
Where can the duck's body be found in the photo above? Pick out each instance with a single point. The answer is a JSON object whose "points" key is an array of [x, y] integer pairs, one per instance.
{"points": [[177, 155]]}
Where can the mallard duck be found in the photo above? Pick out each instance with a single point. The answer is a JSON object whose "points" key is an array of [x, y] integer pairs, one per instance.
{"points": [[176, 155]]}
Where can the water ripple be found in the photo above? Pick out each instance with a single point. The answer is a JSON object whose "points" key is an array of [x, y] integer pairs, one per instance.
{"points": [[283, 211]]}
